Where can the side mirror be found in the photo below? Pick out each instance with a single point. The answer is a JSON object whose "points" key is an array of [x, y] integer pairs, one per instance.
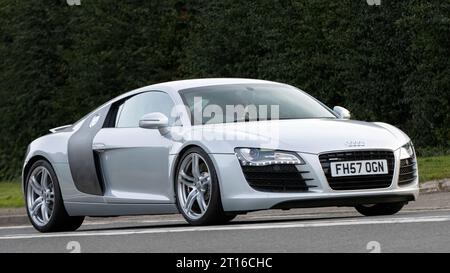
{"points": [[342, 112], [154, 121]]}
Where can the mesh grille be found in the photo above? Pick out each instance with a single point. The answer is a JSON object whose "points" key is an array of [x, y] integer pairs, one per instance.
{"points": [[276, 178], [407, 171], [361, 181]]}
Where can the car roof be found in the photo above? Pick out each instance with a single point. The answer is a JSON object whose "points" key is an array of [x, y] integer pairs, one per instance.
{"points": [[175, 86], [193, 83]]}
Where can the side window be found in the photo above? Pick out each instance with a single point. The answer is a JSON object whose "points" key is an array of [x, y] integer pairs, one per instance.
{"points": [[132, 110]]}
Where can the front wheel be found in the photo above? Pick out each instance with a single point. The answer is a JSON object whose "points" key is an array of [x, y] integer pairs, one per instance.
{"points": [[44, 201], [380, 209], [197, 190]]}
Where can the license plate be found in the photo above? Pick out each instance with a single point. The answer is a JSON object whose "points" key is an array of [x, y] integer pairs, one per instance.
{"points": [[360, 167]]}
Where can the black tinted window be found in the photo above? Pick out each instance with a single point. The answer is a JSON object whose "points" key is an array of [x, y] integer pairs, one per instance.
{"points": [[133, 109]]}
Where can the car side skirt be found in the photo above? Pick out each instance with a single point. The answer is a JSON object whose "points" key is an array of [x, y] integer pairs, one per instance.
{"points": [[108, 209]]}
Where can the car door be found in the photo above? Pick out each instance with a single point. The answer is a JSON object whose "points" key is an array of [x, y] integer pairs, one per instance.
{"points": [[133, 161]]}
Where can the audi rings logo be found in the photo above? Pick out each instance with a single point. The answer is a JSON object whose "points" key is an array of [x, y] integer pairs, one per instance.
{"points": [[355, 143]]}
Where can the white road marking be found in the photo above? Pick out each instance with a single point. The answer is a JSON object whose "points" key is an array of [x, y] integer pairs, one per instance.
{"points": [[15, 227], [296, 216], [96, 223], [324, 223], [161, 221]]}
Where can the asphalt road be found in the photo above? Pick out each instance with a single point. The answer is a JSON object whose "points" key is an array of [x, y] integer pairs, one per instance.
{"points": [[422, 226]]}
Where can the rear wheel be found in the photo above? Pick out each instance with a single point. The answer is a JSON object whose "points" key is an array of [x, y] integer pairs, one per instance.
{"points": [[197, 190], [379, 209], [45, 207]]}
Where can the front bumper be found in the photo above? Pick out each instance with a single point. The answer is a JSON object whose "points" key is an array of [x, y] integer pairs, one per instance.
{"points": [[237, 195]]}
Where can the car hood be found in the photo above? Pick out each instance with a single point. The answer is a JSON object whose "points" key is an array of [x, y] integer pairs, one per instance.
{"points": [[304, 135]]}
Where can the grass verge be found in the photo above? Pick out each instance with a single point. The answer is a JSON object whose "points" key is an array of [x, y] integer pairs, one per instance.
{"points": [[11, 195], [434, 167]]}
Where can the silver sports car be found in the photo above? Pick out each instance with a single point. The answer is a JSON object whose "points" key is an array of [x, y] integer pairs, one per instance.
{"points": [[211, 149]]}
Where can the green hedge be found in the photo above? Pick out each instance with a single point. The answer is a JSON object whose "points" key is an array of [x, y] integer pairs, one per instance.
{"points": [[385, 63]]}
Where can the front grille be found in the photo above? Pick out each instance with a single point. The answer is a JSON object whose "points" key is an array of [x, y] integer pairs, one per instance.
{"points": [[361, 181], [407, 171], [276, 178]]}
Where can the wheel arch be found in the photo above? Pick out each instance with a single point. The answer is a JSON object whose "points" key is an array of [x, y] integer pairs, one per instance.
{"points": [[177, 161], [27, 167], [180, 154]]}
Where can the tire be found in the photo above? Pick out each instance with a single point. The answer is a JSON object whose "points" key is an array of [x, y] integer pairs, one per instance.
{"points": [[191, 183], [228, 217], [43, 197], [380, 209]]}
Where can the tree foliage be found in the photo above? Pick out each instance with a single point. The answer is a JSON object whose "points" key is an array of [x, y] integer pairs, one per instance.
{"points": [[385, 63]]}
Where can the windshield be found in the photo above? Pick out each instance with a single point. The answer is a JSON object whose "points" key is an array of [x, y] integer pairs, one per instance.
{"points": [[250, 102]]}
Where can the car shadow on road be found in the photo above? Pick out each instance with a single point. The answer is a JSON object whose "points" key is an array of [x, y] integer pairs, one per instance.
{"points": [[239, 222]]}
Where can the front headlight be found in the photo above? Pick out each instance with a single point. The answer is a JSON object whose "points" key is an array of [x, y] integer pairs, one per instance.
{"points": [[407, 151], [258, 157]]}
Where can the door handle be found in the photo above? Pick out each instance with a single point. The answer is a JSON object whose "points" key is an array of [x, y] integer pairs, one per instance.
{"points": [[100, 147]]}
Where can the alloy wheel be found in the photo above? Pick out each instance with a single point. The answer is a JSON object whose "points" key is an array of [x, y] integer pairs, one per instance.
{"points": [[40, 196], [194, 186]]}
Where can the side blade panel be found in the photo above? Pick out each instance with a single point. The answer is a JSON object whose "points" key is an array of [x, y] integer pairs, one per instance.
{"points": [[81, 155]]}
